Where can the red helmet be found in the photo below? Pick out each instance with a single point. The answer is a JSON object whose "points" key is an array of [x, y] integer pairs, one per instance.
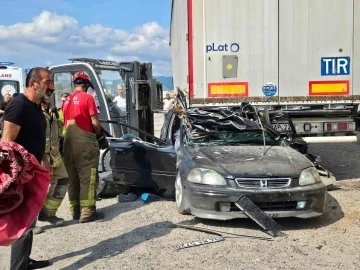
{"points": [[81, 77]]}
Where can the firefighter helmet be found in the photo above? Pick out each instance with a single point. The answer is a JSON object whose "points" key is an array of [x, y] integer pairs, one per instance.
{"points": [[81, 77]]}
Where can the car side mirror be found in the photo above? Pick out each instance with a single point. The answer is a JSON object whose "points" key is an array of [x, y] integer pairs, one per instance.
{"points": [[300, 145]]}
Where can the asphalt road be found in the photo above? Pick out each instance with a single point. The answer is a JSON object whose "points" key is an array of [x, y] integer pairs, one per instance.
{"points": [[343, 160]]}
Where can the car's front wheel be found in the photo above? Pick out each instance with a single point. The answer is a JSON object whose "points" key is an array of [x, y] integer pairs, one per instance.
{"points": [[106, 161], [179, 195]]}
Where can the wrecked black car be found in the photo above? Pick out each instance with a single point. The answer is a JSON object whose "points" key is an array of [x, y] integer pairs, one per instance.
{"points": [[212, 156]]}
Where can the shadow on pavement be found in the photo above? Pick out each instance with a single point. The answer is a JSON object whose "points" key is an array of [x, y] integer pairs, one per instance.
{"points": [[110, 212], [333, 213], [116, 209], [117, 245], [66, 224]]}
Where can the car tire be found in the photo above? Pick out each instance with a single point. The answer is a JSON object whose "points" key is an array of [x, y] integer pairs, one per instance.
{"points": [[106, 161], [179, 195]]}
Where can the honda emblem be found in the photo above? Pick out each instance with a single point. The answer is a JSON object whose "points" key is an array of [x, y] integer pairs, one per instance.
{"points": [[263, 183]]}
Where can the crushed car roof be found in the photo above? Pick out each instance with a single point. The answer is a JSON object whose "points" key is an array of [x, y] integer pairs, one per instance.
{"points": [[219, 119]]}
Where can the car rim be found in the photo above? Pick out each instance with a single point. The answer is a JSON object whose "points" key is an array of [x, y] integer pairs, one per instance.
{"points": [[178, 191], [106, 162]]}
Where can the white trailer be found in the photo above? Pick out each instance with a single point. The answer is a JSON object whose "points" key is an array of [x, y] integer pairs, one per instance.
{"points": [[301, 57]]}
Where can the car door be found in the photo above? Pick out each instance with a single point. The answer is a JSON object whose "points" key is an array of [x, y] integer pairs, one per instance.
{"points": [[138, 163]]}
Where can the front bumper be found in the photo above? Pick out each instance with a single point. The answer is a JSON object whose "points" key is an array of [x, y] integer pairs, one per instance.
{"points": [[210, 203]]}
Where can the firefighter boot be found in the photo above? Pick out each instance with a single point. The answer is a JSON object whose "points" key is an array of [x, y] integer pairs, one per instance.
{"points": [[52, 219], [89, 214], [75, 212]]}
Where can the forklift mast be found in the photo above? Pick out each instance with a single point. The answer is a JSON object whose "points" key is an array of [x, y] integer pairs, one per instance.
{"points": [[143, 95]]}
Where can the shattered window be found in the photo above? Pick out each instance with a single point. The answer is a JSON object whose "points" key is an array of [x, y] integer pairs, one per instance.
{"points": [[254, 137]]}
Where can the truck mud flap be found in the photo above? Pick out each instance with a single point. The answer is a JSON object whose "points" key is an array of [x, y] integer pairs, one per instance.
{"points": [[256, 214]]}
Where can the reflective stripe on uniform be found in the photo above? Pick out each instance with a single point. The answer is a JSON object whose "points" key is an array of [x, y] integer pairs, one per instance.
{"points": [[74, 203], [51, 205], [87, 203], [57, 160], [91, 192]]}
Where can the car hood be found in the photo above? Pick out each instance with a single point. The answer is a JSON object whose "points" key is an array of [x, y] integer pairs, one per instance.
{"points": [[250, 161]]}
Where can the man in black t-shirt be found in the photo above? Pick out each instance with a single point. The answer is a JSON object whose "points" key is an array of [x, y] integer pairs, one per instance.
{"points": [[24, 123]]}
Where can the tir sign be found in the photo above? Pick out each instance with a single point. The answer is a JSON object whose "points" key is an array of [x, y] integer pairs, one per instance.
{"points": [[335, 66]]}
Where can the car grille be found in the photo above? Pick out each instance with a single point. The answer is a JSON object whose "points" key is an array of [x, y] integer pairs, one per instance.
{"points": [[270, 206], [263, 182]]}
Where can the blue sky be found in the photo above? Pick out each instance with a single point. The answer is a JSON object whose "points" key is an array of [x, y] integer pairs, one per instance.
{"points": [[43, 32]]}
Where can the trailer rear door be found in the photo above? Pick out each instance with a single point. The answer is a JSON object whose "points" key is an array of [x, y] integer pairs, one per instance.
{"points": [[273, 51], [234, 50], [316, 50]]}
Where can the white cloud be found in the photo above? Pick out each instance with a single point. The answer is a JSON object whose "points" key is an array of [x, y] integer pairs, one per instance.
{"points": [[151, 29], [58, 37], [45, 28]]}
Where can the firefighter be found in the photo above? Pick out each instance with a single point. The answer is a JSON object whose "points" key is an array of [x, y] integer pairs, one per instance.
{"points": [[59, 179], [61, 118], [83, 139]]}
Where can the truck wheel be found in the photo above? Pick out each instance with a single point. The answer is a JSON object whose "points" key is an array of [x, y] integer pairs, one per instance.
{"points": [[106, 161], [179, 195]]}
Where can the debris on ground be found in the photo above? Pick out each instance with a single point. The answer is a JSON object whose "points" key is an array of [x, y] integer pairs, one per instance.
{"points": [[130, 197], [298, 250], [210, 240], [259, 216], [149, 197], [107, 188]]}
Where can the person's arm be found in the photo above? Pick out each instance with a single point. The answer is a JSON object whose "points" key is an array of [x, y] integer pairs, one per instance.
{"points": [[45, 160], [2, 108], [96, 124], [10, 132], [94, 116], [13, 120], [48, 138], [46, 163]]}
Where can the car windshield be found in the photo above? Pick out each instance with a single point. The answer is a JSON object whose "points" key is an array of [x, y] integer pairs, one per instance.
{"points": [[246, 137]]}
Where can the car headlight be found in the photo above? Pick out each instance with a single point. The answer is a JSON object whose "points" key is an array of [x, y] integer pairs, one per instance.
{"points": [[309, 176], [206, 177]]}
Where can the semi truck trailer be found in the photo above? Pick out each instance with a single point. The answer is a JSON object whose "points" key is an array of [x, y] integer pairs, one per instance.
{"points": [[301, 58]]}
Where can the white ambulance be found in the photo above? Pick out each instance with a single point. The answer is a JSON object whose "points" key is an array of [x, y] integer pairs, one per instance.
{"points": [[12, 79]]}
